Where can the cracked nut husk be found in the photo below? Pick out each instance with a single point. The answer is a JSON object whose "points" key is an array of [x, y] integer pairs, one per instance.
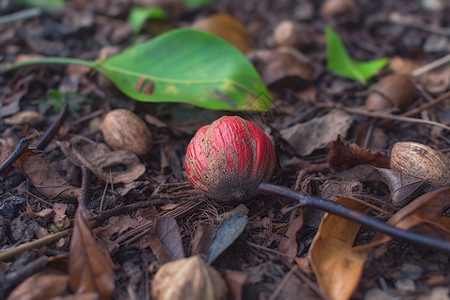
{"points": [[188, 279], [395, 91], [123, 130], [228, 159], [422, 162]]}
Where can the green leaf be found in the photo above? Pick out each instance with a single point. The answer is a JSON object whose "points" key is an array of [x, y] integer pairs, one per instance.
{"points": [[197, 3], [340, 61], [190, 66], [139, 15], [48, 6]]}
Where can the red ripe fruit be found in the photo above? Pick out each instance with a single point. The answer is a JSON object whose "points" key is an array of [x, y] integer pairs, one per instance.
{"points": [[228, 159]]}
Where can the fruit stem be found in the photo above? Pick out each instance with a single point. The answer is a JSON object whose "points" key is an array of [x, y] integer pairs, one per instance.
{"points": [[342, 211], [52, 60]]}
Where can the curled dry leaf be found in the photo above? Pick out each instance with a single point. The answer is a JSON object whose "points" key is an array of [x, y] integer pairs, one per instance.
{"points": [[424, 214], [188, 279], [288, 244], [165, 240], [226, 27], [42, 173], [402, 65], [90, 266], [337, 267], [25, 117], [42, 285], [403, 189], [284, 65], [319, 132], [344, 155], [109, 166], [225, 235]]}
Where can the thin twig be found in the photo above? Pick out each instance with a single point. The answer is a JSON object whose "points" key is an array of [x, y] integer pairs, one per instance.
{"points": [[53, 130], [431, 66], [283, 283], [18, 151], [427, 105], [20, 15], [83, 198], [382, 115], [342, 211], [7, 254], [10, 280], [104, 215]]}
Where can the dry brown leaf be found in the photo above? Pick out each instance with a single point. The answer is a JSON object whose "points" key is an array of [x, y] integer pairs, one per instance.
{"points": [[90, 266], [109, 166], [403, 189], [45, 178], [235, 281], [45, 213], [203, 236], [287, 66], [117, 225], [337, 268], [288, 244], [226, 27], [344, 155], [423, 214], [165, 240], [25, 117], [41, 286], [318, 132], [60, 218], [188, 279], [402, 65]]}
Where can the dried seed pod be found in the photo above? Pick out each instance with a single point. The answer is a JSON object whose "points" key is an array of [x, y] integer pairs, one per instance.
{"points": [[188, 279], [288, 34], [228, 159], [422, 162], [392, 91], [123, 130]]}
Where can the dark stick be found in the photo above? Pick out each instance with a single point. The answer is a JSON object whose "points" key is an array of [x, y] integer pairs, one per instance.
{"points": [[52, 130], [342, 211], [83, 198], [20, 149], [8, 281]]}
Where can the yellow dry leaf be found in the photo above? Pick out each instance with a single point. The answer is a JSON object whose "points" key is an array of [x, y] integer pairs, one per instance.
{"points": [[226, 27], [337, 268]]}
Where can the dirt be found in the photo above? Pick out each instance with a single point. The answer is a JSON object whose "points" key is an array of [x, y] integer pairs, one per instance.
{"points": [[269, 260]]}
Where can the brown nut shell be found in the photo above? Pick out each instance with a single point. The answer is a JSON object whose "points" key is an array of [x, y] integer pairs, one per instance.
{"points": [[392, 91], [422, 162], [123, 130], [288, 34]]}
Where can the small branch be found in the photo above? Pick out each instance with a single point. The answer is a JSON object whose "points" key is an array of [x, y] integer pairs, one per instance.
{"points": [[427, 105], [53, 130], [20, 15], [342, 211], [53, 60], [7, 254], [382, 115], [83, 197], [431, 66], [10, 280], [21, 148]]}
